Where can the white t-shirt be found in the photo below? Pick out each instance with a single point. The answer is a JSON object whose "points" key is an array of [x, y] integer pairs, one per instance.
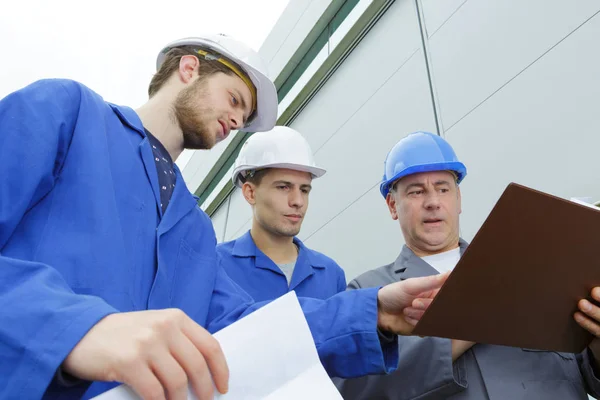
{"points": [[444, 262]]}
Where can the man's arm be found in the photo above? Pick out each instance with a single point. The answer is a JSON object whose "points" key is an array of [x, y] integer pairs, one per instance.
{"points": [[345, 326], [42, 318], [426, 370]]}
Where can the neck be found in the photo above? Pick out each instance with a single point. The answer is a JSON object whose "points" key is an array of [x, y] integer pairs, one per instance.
{"points": [[280, 249], [157, 116]]}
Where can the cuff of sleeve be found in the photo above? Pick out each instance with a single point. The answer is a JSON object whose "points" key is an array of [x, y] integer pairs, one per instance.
{"points": [[60, 336], [589, 369], [66, 380], [385, 338], [460, 372]]}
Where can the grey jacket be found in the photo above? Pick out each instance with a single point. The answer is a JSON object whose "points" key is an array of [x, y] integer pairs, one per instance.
{"points": [[426, 370]]}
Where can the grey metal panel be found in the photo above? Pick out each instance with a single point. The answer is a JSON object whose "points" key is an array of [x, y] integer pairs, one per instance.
{"points": [[486, 43], [391, 42], [240, 214], [296, 35], [540, 130], [437, 12], [354, 156], [284, 25], [362, 237], [219, 220]]}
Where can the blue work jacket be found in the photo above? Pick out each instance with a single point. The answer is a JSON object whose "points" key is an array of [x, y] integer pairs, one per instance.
{"points": [[315, 274], [82, 236]]}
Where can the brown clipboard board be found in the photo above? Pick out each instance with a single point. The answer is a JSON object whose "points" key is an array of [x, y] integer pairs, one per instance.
{"points": [[519, 281]]}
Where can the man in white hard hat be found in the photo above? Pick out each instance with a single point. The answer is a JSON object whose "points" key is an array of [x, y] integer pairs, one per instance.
{"points": [[274, 171], [108, 266]]}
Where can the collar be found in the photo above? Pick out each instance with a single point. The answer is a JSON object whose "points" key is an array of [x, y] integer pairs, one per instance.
{"points": [[244, 246], [129, 117], [409, 265]]}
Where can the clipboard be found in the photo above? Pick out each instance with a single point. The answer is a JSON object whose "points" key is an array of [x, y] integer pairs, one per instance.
{"points": [[519, 281]]}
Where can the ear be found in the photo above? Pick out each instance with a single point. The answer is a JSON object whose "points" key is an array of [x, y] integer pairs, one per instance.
{"points": [[188, 67], [390, 199], [459, 205], [249, 193]]}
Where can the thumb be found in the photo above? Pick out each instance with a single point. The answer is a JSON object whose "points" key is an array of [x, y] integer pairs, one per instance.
{"points": [[416, 286]]}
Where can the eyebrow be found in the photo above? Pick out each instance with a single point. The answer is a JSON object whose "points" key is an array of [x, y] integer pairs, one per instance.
{"points": [[304, 185], [441, 182], [414, 185]]}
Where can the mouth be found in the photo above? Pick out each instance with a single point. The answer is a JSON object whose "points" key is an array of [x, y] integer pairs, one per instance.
{"points": [[432, 221], [224, 129], [294, 217]]}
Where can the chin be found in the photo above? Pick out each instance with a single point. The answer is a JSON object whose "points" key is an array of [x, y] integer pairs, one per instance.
{"points": [[435, 243], [289, 232]]}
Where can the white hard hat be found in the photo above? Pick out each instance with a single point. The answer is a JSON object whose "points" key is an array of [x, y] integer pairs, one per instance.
{"points": [[282, 147], [248, 59]]}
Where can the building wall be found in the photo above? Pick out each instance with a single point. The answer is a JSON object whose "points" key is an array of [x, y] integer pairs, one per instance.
{"points": [[516, 93]]}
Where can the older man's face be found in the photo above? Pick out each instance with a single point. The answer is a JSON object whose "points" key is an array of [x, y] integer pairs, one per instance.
{"points": [[427, 206]]}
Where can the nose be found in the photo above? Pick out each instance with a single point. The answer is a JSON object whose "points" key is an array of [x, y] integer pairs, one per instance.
{"points": [[236, 119], [432, 200], [296, 199]]}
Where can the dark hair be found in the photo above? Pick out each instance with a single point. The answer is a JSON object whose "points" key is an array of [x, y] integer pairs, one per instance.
{"points": [[171, 64], [255, 177]]}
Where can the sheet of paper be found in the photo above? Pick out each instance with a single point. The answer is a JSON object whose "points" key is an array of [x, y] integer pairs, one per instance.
{"points": [[271, 355]]}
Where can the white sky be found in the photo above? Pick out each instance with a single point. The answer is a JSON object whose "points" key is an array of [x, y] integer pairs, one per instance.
{"points": [[111, 45]]}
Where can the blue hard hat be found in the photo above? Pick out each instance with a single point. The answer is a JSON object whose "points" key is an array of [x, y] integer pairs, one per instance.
{"points": [[420, 152]]}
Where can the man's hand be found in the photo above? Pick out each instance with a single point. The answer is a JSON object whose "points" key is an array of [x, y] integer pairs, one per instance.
{"points": [[397, 313], [155, 352], [589, 318]]}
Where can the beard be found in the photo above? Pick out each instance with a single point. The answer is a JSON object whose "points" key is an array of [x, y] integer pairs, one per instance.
{"points": [[281, 230], [193, 119]]}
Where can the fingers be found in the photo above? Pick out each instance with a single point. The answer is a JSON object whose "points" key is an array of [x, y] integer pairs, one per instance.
{"points": [[416, 286], [143, 381], [589, 309], [212, 352], [194, 364], [587, 324], [171, 375], [413, 313], [421, 303]]}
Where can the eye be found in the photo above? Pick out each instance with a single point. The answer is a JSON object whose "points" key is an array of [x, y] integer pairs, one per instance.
{"points": [[415, 193], [234, 100], [444, 190], [305, 191], [282, 187]]}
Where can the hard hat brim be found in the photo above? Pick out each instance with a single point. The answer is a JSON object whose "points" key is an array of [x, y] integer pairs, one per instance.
{"points": [[266, 102], [316, 172], [456, 166]]}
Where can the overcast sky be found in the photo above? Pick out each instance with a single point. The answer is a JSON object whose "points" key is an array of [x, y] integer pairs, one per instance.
{"points": [[111, 45]]}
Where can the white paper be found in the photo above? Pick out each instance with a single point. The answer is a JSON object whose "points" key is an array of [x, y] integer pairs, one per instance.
{"points": [[271, 356]]}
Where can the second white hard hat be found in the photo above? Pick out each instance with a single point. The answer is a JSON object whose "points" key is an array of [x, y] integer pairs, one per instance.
{"points": [[282, 147]]}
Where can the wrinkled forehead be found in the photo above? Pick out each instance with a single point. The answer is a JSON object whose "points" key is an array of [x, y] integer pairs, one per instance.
{"points": [[427, 177]]}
